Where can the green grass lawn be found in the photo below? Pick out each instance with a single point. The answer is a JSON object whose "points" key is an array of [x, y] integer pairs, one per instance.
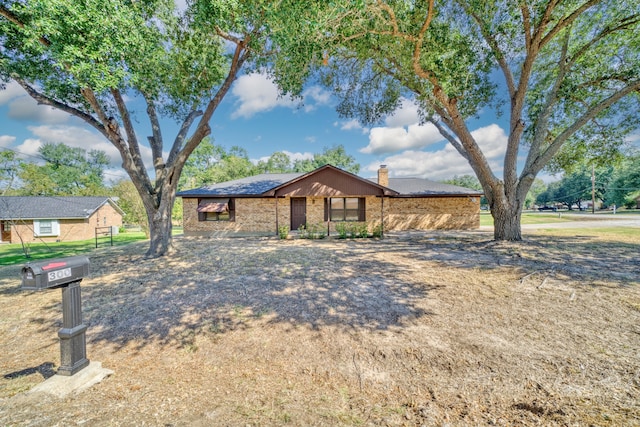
{"points": [[14, 253], [614, 234]]}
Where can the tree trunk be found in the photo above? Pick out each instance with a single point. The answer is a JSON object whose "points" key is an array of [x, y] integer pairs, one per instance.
{"points": [[160, 226], [506, 221]]}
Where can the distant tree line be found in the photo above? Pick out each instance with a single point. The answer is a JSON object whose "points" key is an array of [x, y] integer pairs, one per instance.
{"points": [[618, 184], [210, 164]]}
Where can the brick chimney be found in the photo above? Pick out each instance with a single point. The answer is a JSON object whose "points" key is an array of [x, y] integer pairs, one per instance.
{"points": [[383, 176]]}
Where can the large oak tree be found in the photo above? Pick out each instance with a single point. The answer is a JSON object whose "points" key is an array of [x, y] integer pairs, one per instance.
{"points": [[569, 70], [95, 58]]}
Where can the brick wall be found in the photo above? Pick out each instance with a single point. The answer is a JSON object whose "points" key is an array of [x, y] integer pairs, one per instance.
{"points": [[258, 216], [252, 216], [453, 213]]}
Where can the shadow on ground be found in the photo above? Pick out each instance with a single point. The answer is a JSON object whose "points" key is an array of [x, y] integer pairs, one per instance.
{"points": [[215, 286]]}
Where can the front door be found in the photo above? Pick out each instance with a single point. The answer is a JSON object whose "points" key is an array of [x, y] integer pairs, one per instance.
{"points": [[298, 212], [5, 231]]}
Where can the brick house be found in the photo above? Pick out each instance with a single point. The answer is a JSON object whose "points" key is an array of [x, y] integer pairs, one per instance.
{"points": [[53, 218], [260, 204]]}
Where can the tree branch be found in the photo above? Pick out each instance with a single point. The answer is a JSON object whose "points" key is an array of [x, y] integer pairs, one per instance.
{"points": [[551, 98], [179, 140], [557, 143], [500, 56], [13, 18], [43, 99], [126, 120], [240, 55], [526, 23], [564, 22], [155, 141], [624, 25], [452, 139]]}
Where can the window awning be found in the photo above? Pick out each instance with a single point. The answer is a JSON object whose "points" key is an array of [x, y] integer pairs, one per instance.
{"points": [[213, 205]]}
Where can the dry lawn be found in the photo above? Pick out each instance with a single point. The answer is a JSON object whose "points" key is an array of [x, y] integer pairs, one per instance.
{"points": [[420, 328]]}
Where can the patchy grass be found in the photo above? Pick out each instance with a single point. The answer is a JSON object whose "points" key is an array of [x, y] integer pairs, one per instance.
{"points": [[419, 328]]}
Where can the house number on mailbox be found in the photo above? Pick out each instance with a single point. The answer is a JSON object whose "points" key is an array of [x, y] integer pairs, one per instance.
{"points": [[59, 274]]}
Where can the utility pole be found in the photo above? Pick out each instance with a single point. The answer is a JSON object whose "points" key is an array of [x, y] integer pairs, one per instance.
{"points": [[593, 189]]}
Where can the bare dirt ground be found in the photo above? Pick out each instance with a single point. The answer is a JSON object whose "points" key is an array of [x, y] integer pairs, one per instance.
{"points": [[421, 328]]}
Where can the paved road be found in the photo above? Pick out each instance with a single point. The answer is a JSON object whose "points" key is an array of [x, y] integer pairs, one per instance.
{"points": [[627, 220]]}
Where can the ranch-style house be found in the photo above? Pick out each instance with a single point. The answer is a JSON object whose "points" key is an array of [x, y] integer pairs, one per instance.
{"points": [[262, 204], [55, 218]]}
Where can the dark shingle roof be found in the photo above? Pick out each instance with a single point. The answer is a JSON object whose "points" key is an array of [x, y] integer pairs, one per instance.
{"points": [[250, 186], [45, 207], [259, 184], [419, 187]]}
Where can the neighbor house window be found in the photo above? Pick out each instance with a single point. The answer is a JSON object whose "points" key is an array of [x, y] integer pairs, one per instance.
{"points": [[346, 208], [214, 209], [46, 227]]}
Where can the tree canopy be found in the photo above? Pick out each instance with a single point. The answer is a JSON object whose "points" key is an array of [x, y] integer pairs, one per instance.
{"points": [[66, 171], [9, 168], [91, 58], [569, 72]]}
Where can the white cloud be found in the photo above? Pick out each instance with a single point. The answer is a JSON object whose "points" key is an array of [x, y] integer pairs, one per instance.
{"points": [[29, 147], [74, 136], [317, 95], [298, 155], [26, 108], [351, 125], [310, 139], [402, 131], [12, 90], [6, 140], [405, 114], [390, 139], [257, 93], [447, 162]]}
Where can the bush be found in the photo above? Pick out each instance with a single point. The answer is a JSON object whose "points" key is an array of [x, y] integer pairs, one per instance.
{"points": [[341, 229], [312, 231], [283, 231], [352, 230]]}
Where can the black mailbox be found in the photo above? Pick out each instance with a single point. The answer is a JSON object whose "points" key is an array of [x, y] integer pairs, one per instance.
{"points": [[54, 273]]}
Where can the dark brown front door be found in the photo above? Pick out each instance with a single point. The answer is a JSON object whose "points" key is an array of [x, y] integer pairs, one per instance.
{"points": [[298, 212], [5, 231]]}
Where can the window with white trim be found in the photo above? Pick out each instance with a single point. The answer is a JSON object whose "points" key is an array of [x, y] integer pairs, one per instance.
{"points": [[46, 227]]}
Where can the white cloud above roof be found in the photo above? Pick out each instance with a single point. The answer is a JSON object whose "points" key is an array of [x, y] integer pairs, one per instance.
{"points": [[406, 114], [392, 139], [447, 162], [257, 93], [402, 131]]}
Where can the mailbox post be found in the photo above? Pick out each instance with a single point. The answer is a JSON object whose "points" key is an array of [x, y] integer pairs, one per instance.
{"points": [[64, 273]]}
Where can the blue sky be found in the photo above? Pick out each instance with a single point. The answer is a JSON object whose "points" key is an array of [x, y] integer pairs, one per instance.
{"points": [[254, 117]]}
